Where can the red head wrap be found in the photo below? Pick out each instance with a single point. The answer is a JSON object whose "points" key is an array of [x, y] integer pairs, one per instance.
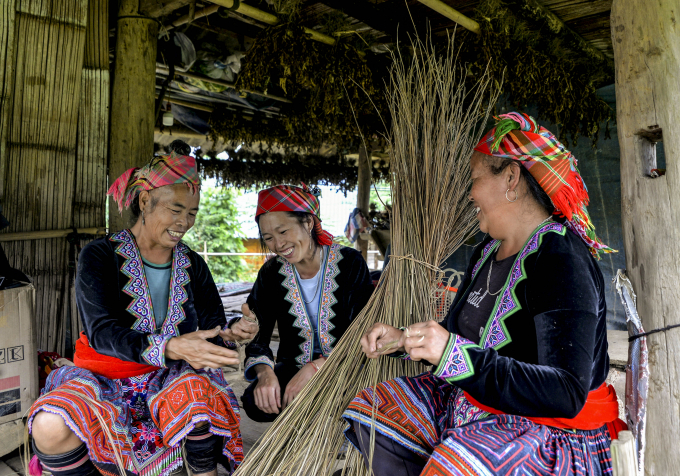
{"points": [[517, 136], [162, 170], [287, 198]]}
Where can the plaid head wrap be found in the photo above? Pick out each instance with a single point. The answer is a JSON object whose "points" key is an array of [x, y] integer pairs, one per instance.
{"points": [[162, 170], [518, 137], [287, 198]]}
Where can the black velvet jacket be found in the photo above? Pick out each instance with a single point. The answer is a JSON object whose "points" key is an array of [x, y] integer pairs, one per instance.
{"points": [[276, 298], [115, 305], [545, 344]]}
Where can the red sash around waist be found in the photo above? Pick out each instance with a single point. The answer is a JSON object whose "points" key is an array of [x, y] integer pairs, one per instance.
{"points": [[110, 367], [601, 408]]}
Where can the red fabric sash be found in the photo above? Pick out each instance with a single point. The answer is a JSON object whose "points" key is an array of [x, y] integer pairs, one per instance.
{"points": [[601, 408], [110, 367]]}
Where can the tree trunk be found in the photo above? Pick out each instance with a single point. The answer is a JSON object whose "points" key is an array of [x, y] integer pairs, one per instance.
{"points": [[646, 38], [363, 193], [133, 99]]}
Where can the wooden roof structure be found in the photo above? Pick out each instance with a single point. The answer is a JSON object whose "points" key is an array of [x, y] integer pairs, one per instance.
{"points": [[233, 26]]}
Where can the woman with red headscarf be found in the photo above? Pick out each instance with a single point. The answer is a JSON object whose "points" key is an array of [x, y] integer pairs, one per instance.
{"points": [[520, 360], [148, 378], [312, 289]]}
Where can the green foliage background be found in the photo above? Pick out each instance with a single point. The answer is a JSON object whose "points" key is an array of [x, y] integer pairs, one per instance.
{"points": [[217, 224]]}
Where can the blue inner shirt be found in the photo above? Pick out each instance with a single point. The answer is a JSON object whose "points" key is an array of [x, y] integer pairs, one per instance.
{"points": [[312, 289], [158, 279]]}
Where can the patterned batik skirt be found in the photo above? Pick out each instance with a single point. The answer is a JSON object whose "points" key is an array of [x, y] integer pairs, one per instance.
{"points": [[145, 418], [433, 419]]}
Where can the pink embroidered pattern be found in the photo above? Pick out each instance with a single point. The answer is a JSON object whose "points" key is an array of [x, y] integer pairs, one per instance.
{"points": [[455, 363], [496, 334], [328, 299], [297, 309], [141, 306], [136, 287]]}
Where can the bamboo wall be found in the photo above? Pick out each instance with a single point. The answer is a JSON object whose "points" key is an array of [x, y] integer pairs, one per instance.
{"points": [[54, 167]]}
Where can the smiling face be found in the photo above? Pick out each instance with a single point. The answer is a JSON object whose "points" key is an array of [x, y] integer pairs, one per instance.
{"points": [[285, 236], [169, 212], [488, 195]]}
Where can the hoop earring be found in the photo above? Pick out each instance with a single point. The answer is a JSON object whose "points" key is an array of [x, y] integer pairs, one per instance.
{"points": [[143, 219], [310, 239], [506, 196]]}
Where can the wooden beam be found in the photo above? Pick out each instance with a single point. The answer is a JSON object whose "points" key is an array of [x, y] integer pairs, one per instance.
{"points": [[646, 42], [534, 10], [180, 134], [46, 234], [164, 71], [392, 19], [132, 101], [160, 8], [452, 14], [269, 19], [191, 105]]}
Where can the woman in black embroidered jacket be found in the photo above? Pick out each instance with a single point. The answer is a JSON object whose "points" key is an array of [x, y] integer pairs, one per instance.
{"points": [[312, 289], [148, 378], [521, 358]]}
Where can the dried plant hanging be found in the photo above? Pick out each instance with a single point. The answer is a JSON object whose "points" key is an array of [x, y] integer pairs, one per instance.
{"points": [[245, 169], [436, 119], [544, 66], [319, 79]]}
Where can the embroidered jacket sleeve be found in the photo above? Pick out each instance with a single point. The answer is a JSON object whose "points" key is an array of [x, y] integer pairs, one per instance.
{"points": [[563, 294], [260, 302], [97, 296]]}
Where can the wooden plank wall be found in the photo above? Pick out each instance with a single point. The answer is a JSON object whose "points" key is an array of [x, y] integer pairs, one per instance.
{"points": [[89, 201], [40, 179]]}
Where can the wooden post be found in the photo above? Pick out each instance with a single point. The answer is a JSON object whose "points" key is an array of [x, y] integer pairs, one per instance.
{"points": [[363, 193], [132, 101], [647, 64]]}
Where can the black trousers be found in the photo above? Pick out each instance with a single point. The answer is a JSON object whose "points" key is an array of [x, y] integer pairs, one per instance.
{"points": [[285, 371], [389, 457]]}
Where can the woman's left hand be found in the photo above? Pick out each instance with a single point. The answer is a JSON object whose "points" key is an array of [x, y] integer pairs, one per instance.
{"points": [[297, 383], [425, 341], [242, 330]]}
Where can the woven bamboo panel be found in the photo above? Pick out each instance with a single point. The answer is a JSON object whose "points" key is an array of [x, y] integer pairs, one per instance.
{"points": [[93, 129], [7, 15], [41, 140]]}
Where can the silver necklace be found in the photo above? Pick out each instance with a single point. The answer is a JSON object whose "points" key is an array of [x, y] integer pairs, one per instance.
{"points": [[488, 276], [318, 280]]}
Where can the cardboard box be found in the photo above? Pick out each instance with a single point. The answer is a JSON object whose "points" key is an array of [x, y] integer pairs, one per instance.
{"points": [[18, 353]]}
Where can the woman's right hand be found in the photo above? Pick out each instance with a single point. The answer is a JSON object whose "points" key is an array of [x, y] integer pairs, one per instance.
{"points": [[379, 336], [267, 391], [195, 349]]}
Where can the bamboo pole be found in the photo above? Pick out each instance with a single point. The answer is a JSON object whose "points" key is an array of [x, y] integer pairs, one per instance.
{"points": [[363, 193], [452, 14], [132, 101], [47, 234], [183, 20], [269, 19]]}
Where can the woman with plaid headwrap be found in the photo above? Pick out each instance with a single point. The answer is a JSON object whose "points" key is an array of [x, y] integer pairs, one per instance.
{"points": [[148, 378], [311, 289], [521, 359]]}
